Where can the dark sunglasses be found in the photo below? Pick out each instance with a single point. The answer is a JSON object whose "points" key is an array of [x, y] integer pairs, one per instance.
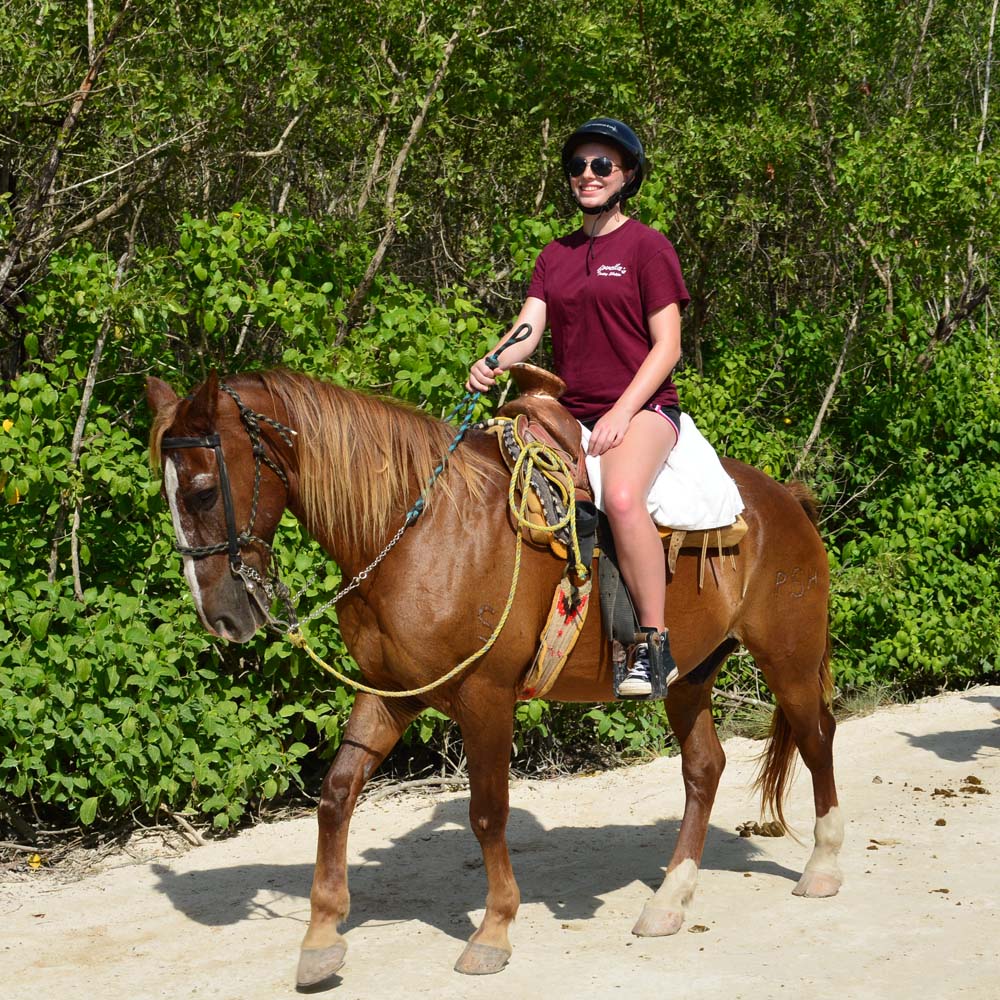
{"points": [[600, 166]]}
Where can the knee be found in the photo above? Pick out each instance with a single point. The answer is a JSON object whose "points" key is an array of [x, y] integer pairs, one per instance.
{"points": [[623, 501], [334, 798], [706, 771]]}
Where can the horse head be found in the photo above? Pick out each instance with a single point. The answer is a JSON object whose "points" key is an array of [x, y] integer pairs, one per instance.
{"points": [[225, 482]]}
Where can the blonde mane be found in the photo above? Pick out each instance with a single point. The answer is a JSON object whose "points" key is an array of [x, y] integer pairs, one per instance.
{"points": [[363, 460]]}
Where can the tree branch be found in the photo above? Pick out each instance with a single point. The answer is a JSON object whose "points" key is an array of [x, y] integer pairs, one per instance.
{"points": [[43, 189], [200, 127], [275, 150], [376, 165], [852, 329], [541, 181], [986, 85], [908, 91], [76, 447], [416, 126]]}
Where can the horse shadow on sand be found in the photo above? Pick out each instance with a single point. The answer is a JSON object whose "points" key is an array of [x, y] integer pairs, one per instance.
{"points": [[963, 745], [434, 873]]}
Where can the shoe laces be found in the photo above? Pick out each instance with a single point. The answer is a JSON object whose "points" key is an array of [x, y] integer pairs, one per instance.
{"points": [[640, 661]]}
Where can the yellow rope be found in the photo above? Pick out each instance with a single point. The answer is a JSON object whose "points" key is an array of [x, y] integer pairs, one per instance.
{"points": [[298, 639], [537, 454], [520, 480]]}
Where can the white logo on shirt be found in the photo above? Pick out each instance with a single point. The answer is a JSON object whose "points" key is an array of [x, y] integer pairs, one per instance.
{"points": [[612, 270]]}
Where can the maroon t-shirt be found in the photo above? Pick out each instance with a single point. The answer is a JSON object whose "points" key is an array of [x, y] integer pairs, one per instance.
{"points": [[597, 300]]}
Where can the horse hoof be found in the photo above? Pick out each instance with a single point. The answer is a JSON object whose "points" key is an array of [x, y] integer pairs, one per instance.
{"points": [[657, 923], [316, 965], [817, 885], [481, 959]]}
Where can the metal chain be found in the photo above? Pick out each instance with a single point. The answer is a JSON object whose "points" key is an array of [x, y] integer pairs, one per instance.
{"points": [[356, 582]]}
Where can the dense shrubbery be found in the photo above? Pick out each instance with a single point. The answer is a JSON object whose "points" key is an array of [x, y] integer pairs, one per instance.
{"points": [[834, 232]]}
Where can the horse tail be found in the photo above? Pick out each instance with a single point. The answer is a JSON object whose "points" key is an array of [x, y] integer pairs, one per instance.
{"points": [[806, 498], [776, 763]]}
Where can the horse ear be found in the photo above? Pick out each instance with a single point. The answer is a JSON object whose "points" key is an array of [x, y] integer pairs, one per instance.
{"points": [[201, 413], [159, 394]]}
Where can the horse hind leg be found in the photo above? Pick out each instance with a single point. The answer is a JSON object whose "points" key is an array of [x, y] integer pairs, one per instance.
{"points": [[803, 720], [689, 710], [488, 742], [372, 731]]}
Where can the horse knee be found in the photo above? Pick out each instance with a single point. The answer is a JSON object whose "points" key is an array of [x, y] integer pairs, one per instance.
{"points": [[705, 772], [487, 824], [334, 801]]}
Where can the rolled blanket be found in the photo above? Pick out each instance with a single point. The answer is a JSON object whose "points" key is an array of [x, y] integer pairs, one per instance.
{"points": [[692, 492]]}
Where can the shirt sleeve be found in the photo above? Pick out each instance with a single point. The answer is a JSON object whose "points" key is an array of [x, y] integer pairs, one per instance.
{"points": [[661, 282], [536, 289]]}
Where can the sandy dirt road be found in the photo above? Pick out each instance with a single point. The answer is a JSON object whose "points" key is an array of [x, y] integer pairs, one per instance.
{"points": [[919, 913]]}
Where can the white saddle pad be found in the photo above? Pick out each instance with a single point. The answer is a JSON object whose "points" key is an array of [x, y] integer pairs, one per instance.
{"points": [[692, 492]]}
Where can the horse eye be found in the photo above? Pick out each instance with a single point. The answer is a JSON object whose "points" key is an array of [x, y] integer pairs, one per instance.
{"points": [[201, 500]]}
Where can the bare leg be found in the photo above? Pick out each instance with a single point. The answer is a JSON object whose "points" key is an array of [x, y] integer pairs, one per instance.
{"points": [[689, 709], [487, 746], [372, 731], [627, 473]]}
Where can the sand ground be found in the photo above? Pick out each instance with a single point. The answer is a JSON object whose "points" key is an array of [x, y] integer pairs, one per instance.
{"points": [[919, 913]]}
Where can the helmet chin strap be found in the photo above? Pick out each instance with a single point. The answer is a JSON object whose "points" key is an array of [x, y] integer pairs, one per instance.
{"points": [[599, 209]]}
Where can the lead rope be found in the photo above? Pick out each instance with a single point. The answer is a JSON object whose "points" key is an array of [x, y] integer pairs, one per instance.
{"points": [[520, 481]]}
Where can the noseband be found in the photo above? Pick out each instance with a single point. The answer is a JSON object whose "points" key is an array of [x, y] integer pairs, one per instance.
{"points": [[236, 540]]}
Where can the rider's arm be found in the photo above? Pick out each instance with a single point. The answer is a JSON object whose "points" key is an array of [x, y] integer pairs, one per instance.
{"points": [[533, 312], [665, 333]]}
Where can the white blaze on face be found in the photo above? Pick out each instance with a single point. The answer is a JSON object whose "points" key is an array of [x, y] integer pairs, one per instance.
{"points": [[171, 487]]}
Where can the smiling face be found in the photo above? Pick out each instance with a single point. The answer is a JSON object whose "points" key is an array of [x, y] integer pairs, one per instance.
{"points": [[590, 190]]}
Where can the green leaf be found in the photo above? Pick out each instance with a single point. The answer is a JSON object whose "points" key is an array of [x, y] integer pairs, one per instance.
{"points": [[38, 626], [88, 810]]}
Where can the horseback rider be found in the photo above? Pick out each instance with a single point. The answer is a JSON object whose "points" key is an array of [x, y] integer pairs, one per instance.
{"points": [[612, 293]]}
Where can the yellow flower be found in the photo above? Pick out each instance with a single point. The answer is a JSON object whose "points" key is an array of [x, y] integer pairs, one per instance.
{"points": [[8, 425]]}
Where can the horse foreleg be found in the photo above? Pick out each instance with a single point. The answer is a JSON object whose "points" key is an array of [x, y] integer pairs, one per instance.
{"points": [[372, 731], [689, 709], [487, 748]]}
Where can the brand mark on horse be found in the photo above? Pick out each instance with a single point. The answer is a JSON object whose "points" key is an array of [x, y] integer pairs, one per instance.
{"points": [[800, 580]]}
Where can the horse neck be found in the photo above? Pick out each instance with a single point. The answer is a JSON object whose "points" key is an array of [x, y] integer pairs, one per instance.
{"points": [[361, 463]]}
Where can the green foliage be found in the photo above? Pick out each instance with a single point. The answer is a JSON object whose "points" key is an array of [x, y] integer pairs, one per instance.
{"points": [[826, 171]]}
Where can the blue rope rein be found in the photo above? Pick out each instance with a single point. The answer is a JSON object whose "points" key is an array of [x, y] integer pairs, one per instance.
{"points": [[468, 404]]}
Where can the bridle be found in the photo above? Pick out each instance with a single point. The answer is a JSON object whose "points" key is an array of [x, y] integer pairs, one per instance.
{"points": [[237, 540]]}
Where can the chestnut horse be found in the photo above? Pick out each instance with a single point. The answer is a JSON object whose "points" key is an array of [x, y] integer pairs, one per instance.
{"points": [[350, 473]]}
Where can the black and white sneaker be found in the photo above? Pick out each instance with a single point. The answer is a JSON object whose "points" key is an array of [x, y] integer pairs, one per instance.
{"points": [[636, 683]]}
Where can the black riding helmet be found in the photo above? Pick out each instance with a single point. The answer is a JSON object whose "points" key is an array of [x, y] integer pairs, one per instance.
{"points": [[618, 134]]}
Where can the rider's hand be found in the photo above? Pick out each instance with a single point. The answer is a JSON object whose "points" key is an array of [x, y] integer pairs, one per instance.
{"points": [[608, 432], [481, 377]]}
